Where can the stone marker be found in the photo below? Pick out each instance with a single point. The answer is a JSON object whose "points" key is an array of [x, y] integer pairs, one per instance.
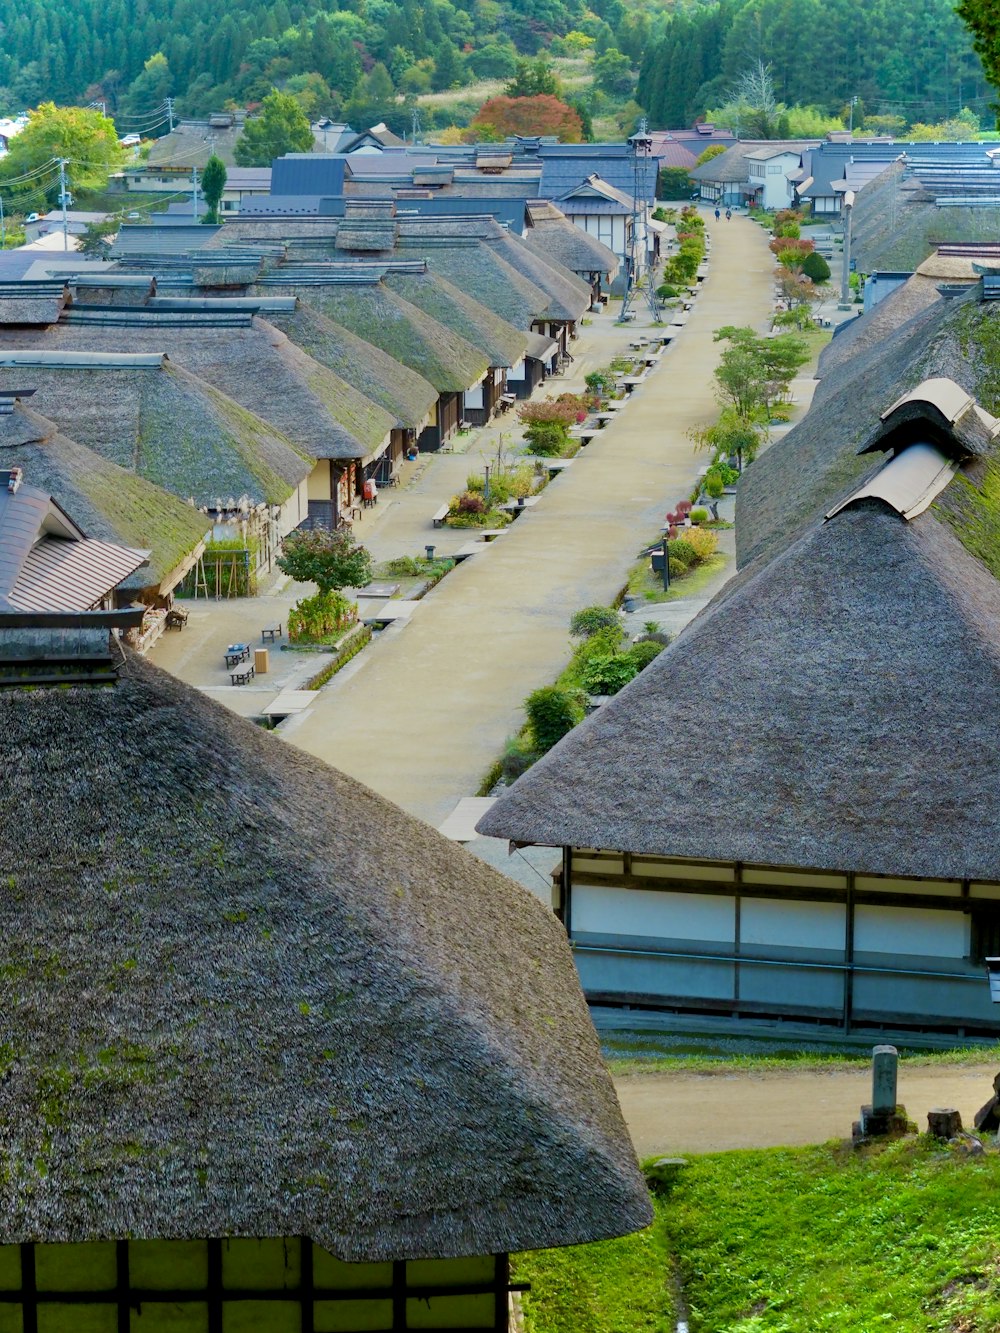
{"points": [[885, 1060], [943, 1122], [884, 1115]]}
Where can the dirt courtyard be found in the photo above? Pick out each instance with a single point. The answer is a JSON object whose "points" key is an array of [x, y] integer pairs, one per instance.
{"points": [[672, 1113]]}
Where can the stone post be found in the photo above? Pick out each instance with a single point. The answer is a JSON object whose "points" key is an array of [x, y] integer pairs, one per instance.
{"points": [[884, 1115]]}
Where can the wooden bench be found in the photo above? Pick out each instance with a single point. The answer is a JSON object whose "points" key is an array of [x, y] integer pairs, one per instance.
{"points": [[242, 677], [271, 632], [177, 617], [440, 516]]}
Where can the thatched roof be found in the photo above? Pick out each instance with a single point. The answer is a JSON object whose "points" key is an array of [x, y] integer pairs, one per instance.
{"points": [[552, 236], [109, 503], [569, 296], [835, 708], [256, 367], [246, 996], [373, 312], [30, 309], [169, 426], [816, 464], [897, 224], [406, 396], [482, 273], [499, 341], [866, 334]]}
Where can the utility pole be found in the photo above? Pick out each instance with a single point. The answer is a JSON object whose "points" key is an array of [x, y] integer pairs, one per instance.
{"points": [[3, 228], [415, 123], [194, 191], [170, 113], [853, 104], [62, 200], [845, 279]]}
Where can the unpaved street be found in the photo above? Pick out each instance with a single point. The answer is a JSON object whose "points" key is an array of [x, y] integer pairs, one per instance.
{"points": [[687, 1113]]}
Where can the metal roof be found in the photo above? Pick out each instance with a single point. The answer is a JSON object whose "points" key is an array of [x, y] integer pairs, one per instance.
{"points": [[308, 173], [60, 574]]}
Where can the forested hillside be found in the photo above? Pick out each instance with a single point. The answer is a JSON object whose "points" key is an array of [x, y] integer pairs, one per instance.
{"points": [[909, 57]]}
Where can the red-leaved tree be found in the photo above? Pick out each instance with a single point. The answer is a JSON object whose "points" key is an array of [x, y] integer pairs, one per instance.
{"points": [[543, 114]]}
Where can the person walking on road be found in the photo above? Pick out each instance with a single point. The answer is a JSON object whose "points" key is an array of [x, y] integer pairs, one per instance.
{"points": [[729, 214], [717, 215]]}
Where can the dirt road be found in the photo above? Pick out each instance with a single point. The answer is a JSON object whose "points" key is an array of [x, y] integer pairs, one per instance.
{"points": [[686, 1113]]}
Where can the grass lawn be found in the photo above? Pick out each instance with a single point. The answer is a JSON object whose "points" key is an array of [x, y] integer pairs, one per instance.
{"points": [[615, 1286], [642, 582], [902, 1237]]}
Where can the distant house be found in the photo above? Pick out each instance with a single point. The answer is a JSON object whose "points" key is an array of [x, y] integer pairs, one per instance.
{"points": [[789, 814], [751, 171], [263, 1069], [768, 177]]}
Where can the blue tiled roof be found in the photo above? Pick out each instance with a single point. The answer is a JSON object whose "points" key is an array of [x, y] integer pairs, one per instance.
{"points": [[565, 172], [307, 173]]}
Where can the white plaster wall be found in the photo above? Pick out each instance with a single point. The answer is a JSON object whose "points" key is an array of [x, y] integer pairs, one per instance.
{"points": [[684, 916], [911, 930], [792, 925]]}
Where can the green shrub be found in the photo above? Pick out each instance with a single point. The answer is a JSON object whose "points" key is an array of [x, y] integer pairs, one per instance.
{"points": [[321, 616], [815, 266], [682, 550], [607, 675], [403, 567], [789, 229], [666, 292], [714, 485], [676, 568], [643, 652], [518, 756], [703, 542], [547, 438], [699, 515], [351, 649], [583, 624], [659, 636], [552, 712]]}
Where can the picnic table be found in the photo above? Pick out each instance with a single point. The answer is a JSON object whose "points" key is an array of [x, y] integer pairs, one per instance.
{"points": [[633, 381], [271, 632], [242, 677], [236, 653], [515, 506]]}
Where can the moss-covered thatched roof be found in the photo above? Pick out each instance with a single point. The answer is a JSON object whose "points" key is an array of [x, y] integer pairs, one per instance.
{"points": [[501, 342], [897, 224], [406, 396], [817, 463], [569, 296], [246, 996], [170, 427], [373, 312], [110, 503], [256, 367]]}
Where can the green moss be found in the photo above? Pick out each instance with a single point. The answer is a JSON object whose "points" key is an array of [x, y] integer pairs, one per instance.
{"points": [[973, 513]]}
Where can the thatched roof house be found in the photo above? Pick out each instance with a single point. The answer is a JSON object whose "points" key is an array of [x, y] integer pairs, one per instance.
{"points": [[253, 364], [406, 396], [110, 503], [164, 423], [790, 811], [501, 342], [293, 1031], [370, 310]]}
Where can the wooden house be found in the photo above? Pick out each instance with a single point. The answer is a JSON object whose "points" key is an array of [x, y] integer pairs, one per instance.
{"points": [[790, 813], [262, 1069], [112, 503]]}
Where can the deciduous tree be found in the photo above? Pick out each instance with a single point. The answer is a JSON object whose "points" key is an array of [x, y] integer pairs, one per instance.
{"points": [[282, 127], [543, 114]]}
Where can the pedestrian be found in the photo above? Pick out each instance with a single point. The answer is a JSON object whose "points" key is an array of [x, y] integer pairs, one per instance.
{"points": [[729, 214], [717, 215]]}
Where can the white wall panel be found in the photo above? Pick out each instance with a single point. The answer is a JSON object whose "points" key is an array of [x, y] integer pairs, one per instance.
{"points": [[792, 925], [685, 916], [911, 930]]}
